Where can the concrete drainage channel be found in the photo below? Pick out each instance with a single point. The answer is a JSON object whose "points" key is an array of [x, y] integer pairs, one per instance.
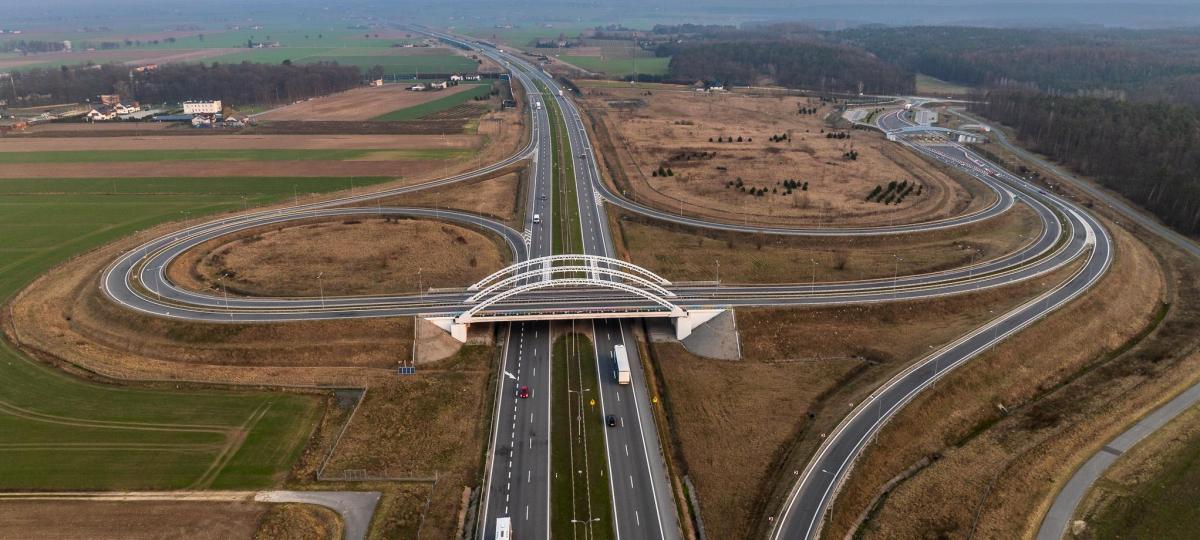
{"points": [[355, 507]]}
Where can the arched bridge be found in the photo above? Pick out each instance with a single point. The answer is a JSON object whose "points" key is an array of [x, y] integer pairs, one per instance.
{"points": [[508, 294]]}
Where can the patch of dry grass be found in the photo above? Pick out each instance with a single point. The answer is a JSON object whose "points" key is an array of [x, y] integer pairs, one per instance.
{"points": [[638, 131], [994, 472], [141, 520], [749, 258], [365, 255], [741, 427], [291, 521]]}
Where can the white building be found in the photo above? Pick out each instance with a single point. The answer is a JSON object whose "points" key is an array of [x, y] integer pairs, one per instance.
{"points": [[456, 77], [440, 85], [202, 107], [102, 113]]}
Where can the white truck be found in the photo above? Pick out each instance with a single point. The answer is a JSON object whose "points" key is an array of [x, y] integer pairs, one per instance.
{"points": [[504, 528], [537, 105], [621, 365]]}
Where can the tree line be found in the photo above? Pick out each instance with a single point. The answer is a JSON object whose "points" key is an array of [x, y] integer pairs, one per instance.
{"points": [[1148, 152], [244, 83], [813, 65]]}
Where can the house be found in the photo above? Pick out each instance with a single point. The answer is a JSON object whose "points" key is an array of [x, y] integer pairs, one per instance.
{"points": [[202, 121], [377, 82], [456, 77], [471, 78], [440, 85], [101, 114], [121, 108], [110, 99], [202, 107], [417, 88]]}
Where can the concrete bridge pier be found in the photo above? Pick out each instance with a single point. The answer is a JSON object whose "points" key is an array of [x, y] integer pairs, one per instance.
{"points": [[691, 319]]}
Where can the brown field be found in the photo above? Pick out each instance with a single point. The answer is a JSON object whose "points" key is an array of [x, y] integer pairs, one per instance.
{"points": [[354, 257], [358, 104], [1003, 429], [221, 141], [775, 259], [638, 131], [415, 426], [169, 169], [741, 427], [499, 197], [159, 520], [126, 56]]}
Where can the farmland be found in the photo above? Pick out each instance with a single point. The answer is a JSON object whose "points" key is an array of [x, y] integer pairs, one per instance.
{"points": [[127, 438], [615, 66], [472, 92]]}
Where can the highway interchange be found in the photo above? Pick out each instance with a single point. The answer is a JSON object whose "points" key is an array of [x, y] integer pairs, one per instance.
{"points": [[518, 468]]}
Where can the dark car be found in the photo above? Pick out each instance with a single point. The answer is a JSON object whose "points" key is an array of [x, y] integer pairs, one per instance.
{"points": [[611, 421], [523, 392]]}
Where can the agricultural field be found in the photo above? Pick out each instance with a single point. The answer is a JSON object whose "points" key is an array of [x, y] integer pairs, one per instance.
{"points": [[618, 66], [463, 94], [396, 62], [127, 438], [763, 160]]}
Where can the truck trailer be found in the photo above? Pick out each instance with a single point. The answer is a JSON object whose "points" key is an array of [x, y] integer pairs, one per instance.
{"points": [[621, 365]]}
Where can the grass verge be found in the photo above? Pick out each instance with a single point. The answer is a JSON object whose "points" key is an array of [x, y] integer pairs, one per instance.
{"points": [[579, 492], [569, 236]]}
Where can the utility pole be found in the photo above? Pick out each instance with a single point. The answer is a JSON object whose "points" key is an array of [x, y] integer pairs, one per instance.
{"points": [[321, 287]]}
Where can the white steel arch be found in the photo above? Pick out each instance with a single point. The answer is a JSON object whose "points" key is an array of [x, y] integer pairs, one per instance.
{"points": [[509, 281], [549, 260], [469, 315]]}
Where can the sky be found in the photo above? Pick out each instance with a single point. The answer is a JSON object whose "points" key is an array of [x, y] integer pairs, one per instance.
{"points": [[637, 13]]}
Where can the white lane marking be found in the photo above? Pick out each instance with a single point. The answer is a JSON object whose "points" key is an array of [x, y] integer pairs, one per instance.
{"points": [[627, 450], [631, 481]]}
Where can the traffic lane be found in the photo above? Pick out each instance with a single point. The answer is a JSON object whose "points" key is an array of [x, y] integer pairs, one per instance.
{"points": [[518, 485], [634, 494]]}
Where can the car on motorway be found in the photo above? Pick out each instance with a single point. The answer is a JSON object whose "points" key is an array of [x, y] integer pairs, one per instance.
{"points": [[611, 421], [523, 392], [537, 218], [542, 196]]}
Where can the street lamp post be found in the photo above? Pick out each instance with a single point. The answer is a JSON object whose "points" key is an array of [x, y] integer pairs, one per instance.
{"points": [[896, 275], [321, 287]]}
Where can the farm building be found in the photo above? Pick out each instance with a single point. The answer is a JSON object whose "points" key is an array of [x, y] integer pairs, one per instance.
{"points": [[202, 107]]}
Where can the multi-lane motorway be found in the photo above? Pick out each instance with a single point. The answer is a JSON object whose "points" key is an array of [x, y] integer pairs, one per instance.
{"points": [[517, 484]]}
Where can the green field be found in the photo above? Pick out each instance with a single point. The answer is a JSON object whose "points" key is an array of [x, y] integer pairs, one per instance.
{"points": [[62, 433], [395, 62], [927, 85], [580, 504], [1161, 504], [136, 156], [437, 105], [619, 67], [525, 36]]}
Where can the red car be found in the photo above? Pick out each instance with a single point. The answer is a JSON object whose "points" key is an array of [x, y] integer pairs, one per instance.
{"points": [[523, 392]]}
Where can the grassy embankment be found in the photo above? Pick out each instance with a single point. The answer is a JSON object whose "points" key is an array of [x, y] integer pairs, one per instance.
{"points": [[64, 433], [580, 498]]}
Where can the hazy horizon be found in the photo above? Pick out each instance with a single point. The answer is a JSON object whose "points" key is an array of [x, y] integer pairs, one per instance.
{"points": [[1001, 13]]}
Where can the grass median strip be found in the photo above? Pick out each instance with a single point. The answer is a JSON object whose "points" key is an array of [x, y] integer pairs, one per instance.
{"points": [[568, 237], [579, 490]]}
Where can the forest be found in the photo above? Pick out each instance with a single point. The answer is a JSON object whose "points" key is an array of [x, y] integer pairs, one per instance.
{"points": [[239, 84], [1148, 152], [829, 68], [1129, 64]]}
